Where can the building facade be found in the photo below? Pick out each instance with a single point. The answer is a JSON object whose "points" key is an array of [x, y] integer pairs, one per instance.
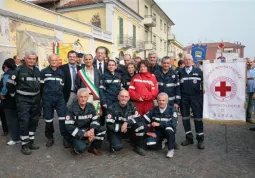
{"points": [[25, 25], [175, 47]]}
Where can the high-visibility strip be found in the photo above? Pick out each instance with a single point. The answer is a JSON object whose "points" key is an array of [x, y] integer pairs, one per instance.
{"points": [[171, 98], [139, 129], [132, 87], [139, 134], [151, 143], [24, 137], [110, 120], [185, 118], [200, 133], [144, 81], [191, 78], [122, 119], [53, 79], [48, 120], [24, 143], [11, 82], [31, 79], [12, 94], [178, 97], [198, 119], [102, 87], [165, 119], [31, 133], [76, 130], [101, 133], [95, 123], [32, 137], [128, 83], [41, 81], [117, 127], [171, 85], [170, 128], [95, 118], [112, 81], [160, 84], [99, 138], [69, 122], [133, 120], [188, 132], [61, 118], [147, 118], [28, 93]]}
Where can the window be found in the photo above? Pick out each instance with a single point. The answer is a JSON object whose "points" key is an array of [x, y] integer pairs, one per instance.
{"points": [[165, 46], [161, 42], [155, 42], [120, 30], [154, 38], [164, 27], [155, 17], [134, 36], [161, 22], [146, 10], [146, 36]]}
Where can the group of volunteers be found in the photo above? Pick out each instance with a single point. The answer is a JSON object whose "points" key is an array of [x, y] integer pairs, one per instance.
{"points": [[96, 98]]}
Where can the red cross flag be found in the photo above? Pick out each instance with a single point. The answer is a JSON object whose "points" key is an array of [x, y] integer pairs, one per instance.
{"points": [[221, 45], [224, 96]]}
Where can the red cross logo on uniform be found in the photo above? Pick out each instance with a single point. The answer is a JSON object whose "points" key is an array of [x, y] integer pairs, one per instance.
{"points": [[223, 89]]}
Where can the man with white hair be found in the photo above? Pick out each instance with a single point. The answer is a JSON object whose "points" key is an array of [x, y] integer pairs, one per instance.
{"points": [[152, 57], [25, 83], [163, 119], [123, 119], [52, 82], [191, 84], [82, 122]]}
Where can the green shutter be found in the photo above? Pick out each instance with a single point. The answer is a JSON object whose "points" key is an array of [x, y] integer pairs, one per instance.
{"points": [[121, 31], [134, 36]]}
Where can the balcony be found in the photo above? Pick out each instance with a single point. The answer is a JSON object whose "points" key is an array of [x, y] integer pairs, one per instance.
{"points": [[171, 36], [150, 21], [125, 42], [150, 45], [139, 46], [101, 34]]}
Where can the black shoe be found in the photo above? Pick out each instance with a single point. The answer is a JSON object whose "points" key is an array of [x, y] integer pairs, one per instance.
{"points": [[66, 143], [252, 129], [25, 150], [139, 151], [33, 146], [200, 145], [50, 142], [176, 146], [187, 142]]}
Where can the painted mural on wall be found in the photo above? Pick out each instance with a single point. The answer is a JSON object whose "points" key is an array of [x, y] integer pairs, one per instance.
{"points": [[96, 20]]}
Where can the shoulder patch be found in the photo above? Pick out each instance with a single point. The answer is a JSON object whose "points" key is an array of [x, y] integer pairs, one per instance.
{"points": [[13, 77], [175, 114], [67, 118], [109, 116]]}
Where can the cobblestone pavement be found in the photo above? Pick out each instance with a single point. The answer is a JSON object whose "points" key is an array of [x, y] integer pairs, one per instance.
{"points": [[187, 162]]}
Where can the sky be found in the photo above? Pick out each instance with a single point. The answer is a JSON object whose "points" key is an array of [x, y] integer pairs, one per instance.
{"points": [[213, 21]]}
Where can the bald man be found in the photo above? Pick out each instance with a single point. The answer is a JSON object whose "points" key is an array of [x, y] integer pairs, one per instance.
{"points": [[191, 84], [123, 119], [52, 81]]}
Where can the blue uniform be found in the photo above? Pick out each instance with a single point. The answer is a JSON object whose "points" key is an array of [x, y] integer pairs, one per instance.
{"points": [[192, 97], [52, 83], [169, 83], [167, 128]]}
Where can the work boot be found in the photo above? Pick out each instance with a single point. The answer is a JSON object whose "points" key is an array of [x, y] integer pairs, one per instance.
{"points": [[139, 151], [50, 142], [200, 145], [94, 151], [25, 150], [187, 142], [66, 143], [33, 146]]}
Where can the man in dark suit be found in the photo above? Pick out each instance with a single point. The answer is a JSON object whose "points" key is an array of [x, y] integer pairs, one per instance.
{"points": [[70, 70], [99, 62]]}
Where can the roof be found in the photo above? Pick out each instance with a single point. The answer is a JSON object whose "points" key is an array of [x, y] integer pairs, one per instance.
{"points": [[75, 3], [44, 1], [216, 44]]}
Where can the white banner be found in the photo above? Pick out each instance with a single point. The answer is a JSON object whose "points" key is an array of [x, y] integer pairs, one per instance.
{"points": [[225, 89]]}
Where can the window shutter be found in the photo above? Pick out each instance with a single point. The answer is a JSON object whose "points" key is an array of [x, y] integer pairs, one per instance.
{"points": [[134, 36], [121, 30]]}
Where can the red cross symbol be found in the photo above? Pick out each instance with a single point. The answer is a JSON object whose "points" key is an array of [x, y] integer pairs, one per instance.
{"points": [[223, 89], [221, 45]]}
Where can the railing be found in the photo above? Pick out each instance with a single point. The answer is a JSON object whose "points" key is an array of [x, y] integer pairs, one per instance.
{"points": [[154, 20], [125, 41], [101, 34], [152, 44]]}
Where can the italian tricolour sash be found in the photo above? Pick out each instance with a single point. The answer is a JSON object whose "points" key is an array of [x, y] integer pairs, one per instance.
{"points": [[91, 86]]}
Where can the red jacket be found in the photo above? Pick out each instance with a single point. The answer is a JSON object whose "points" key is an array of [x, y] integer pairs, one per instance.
{"points": [[143, 85]]}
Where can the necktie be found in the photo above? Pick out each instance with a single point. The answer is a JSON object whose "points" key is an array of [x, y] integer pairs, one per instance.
{"points": [[100, 67], [73, 77]]}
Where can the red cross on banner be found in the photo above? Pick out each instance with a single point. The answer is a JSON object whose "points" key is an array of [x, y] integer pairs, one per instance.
{"points": [[221, 45], [223, 89]]}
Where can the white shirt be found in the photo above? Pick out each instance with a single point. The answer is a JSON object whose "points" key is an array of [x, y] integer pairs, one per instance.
{"points": [[188, 69], [102, 65], [162, 110]]}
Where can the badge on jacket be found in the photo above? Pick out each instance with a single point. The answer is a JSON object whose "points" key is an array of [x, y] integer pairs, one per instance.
{"points": [[175, 114], [13, 77], [194, 81], [67, 118], [109, 116], [173, 76]]}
